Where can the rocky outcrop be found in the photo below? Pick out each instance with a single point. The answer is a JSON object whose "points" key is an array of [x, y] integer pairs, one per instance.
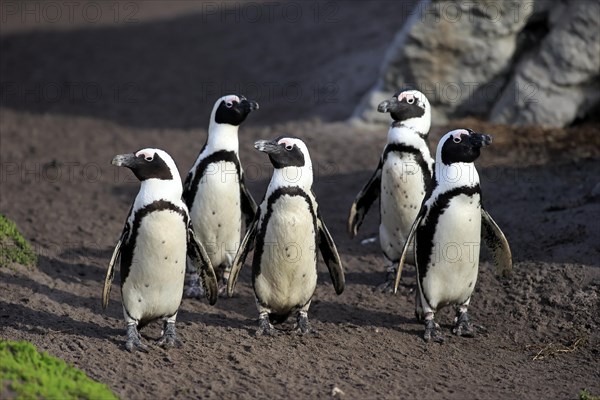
{"points": [[518, 61]]}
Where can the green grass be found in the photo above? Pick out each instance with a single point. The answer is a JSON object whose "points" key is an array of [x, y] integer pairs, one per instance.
{"points": [[585, 395], [13, 246], [27, 374]]}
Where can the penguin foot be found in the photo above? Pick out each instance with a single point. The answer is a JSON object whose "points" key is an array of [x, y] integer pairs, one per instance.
{"points": [[419, 316], [192, 288], [222, 289], [222, 272], [265, 328], [302, 326], [169, 337], [390, 278], [463, 326], [134, 340], [432, 332]]}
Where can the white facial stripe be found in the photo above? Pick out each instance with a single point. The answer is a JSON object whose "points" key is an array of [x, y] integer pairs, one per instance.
{"points": [[406, 95], [147, 153], [231, 99], [286, 142], [457, 133]]}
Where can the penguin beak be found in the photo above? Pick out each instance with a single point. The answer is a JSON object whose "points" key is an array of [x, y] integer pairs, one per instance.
{"points": [[386, 105], [480, 139], [249, 105], [393, 106], [267, 146], [124, 160]]}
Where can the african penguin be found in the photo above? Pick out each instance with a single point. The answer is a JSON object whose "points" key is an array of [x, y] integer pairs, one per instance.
{"points": [[287, 230], [153, 247], [447, 234], [214, 190], [401, 178]]}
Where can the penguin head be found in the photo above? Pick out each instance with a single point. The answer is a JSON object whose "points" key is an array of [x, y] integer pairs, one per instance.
{"points": [[232, 110], [409, 108], [461, 146], [148, 164], [290, 158]]}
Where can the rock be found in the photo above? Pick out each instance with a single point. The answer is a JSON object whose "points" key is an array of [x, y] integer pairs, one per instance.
{"points": [[560, 81], [513, 61]]}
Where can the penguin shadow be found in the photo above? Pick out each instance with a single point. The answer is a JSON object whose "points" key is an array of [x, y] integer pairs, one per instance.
{"points": [[60, 296], [39, 322], [127, 82], [347, 314], [76, 264], [237, 312], [372, 279]]}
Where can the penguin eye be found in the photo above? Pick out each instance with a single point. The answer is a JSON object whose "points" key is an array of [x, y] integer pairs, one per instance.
{"points": [[149, 158], [456, 139], [410, 100], [228, 104], [289, 147]]}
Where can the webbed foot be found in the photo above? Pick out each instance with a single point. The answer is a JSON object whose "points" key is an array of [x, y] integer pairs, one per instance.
{"points": [[169, 337], [192, 288], [302, 326], [134, 340], [265, 328], [390, 280], [432, 332], [462, 325]]}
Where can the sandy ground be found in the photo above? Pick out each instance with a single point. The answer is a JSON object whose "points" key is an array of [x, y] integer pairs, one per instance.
{"points": [[541, 328]]}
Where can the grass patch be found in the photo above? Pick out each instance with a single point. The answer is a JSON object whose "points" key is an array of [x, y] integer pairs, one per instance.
{"points": [[13, 246], [27, 374], [585, 395]]}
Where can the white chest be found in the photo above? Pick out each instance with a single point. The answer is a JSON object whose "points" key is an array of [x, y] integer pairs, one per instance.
{"points": [[154, 285], [402, 191], [216, 212], [288, 273], [454, 261]]}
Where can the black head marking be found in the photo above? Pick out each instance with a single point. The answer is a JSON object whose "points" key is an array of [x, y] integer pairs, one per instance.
{"points": [[145, 165], [283, 152], [463, 145], [233, 112], [403, 106]]}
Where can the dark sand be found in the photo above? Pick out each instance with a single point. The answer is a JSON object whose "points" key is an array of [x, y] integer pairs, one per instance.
{"points": [[58, 186]]}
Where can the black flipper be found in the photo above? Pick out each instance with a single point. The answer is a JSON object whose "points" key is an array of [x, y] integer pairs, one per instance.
{"points": [[331, 256], [242, 253], [187, 192], [410, 239], [247, 202], [497, 244], [200, 260], [363, 201], [110, 273]]}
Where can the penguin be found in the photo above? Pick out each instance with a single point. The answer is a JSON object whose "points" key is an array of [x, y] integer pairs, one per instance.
{"points": [[214, 190], [286, 231], [153, 246], [401, 178], [447, 234]]}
